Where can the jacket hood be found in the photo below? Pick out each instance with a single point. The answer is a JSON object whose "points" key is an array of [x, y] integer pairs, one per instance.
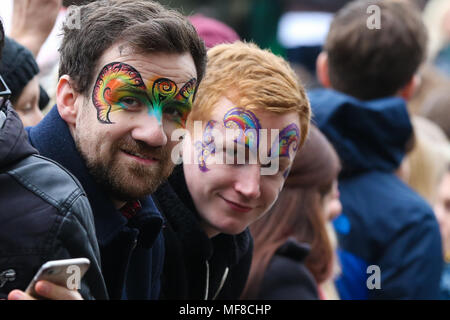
{"points": [[367, 135], [14, 145]]}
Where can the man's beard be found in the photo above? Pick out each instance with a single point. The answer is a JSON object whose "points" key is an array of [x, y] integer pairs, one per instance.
{"points": [[131, 182]]}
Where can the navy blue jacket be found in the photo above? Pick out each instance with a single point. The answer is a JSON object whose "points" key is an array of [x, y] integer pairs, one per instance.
{"points": [[132, 251], [384, 222]]}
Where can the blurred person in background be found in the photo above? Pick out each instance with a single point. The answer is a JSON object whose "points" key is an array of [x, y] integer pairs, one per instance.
{"points": [[32, 22], [20, 71], [435, 71], [213, 31], [385, 225], [301, 31], [37, 25], [428, 160], [428, 166], [437, 108], [442, 210], [437, 20], [293, 254]]}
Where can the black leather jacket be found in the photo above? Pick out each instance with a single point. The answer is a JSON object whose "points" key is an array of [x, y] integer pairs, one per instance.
{"points": [[44, 215]]}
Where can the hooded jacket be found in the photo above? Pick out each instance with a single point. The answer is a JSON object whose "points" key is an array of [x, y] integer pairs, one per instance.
{"points": [[45, 214], [390, 245], [196, 267], [132, 251], [287, 277]]}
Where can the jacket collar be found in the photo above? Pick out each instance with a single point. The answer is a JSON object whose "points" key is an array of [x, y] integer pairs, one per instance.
{"points": [[53, 139], [295, 250], [14, 145]]}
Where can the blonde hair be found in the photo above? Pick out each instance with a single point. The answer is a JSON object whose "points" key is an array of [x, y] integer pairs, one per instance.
{"points": [[254, 79], [433, 17], [429, 159]]}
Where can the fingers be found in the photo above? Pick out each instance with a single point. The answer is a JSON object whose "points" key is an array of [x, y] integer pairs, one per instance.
{"points": [[19, 295], [54, 292], [47, 290]]}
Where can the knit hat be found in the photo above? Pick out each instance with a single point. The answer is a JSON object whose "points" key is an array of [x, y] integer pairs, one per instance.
{"points": [[18, 67], [212, 31]]}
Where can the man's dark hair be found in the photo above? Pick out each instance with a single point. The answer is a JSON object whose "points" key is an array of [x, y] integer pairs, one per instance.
{"points": [[374, 63], [146, 26]]}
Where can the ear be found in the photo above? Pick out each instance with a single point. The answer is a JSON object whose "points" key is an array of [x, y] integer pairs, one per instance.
{"points": [[66, 97], [322, 69], [407, 92]]}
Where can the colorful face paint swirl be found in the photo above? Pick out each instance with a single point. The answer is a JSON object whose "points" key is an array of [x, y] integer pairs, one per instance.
{"points": [[106, 95], [289, 137], [184, 97], [247, 123], [206, 147], [288, 140], [119, 82]]}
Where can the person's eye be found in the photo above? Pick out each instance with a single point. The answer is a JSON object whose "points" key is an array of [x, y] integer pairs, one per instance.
{"points": [[130, 103], [173, 111], [25, 108]]}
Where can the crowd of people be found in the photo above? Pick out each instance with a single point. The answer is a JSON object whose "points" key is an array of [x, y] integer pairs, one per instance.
{"points": [[187, 163]]}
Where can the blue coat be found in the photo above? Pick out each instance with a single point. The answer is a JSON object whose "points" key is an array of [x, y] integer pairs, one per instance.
{"points": [[384, 222], [132, 252]]}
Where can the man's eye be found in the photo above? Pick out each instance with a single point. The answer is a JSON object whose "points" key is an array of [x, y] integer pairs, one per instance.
{"points": [[173, 112], [129, 102]]}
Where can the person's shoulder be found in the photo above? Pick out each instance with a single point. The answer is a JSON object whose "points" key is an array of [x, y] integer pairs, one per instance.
{"points": [[288, 278], [288, 261], [48, 180]]}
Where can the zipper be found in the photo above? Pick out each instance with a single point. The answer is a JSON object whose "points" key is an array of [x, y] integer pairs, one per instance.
{"points": [[222, 282], [133, 246], [7, 275], [207, 281]]}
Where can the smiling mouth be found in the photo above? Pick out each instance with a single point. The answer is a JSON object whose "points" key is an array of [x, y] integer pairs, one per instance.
{"points": [[237, 206], [141, 157]]}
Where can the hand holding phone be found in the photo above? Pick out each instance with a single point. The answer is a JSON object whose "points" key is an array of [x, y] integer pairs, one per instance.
{"points": [[65, 273]]}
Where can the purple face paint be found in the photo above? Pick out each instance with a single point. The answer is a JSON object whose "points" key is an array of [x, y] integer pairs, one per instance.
{"points": [[206, 147]]}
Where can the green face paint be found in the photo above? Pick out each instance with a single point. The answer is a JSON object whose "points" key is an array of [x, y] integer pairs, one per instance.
{"points": [[288, 139], [120, 87]]}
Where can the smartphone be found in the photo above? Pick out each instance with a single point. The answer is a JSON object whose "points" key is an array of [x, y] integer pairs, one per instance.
{"points": [[65, 273]]}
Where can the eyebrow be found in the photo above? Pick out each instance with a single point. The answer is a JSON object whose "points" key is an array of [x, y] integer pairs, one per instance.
{"points": [[132, 89]]}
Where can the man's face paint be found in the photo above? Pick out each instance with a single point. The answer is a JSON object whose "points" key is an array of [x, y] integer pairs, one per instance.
{"points": [[120, 87]]}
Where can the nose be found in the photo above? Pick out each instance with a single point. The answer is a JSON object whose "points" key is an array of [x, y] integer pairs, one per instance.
{"points": [[148, 130], [39, 115], [248, 181]]}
